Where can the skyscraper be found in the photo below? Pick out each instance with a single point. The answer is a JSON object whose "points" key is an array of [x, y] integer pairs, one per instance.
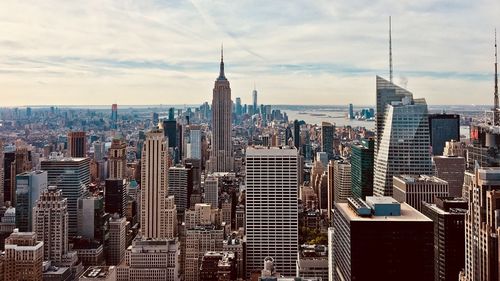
{"points": [[272, 208], [414, 190], [221, 159], [351, 111], [239, 109], [117, 242], [51, 224], [327, 133], [179, 186], [403, 146], [211, 189], [398, 237], [341, 181], [482, 188], [114, 116], [451, 169], [29, 185], [117, 160], [443, 128], [154, 193], [77, 144], [72, 176], [115, 196], [254, 102], [362, 168], [194, 151]]}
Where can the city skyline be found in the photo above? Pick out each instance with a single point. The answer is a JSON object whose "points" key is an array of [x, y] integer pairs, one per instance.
{"points": [[96, 53]]}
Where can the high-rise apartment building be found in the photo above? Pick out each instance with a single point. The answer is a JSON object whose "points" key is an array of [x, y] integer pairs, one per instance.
{"points": [[51, 224], [72, 177], [117, 160], [272, 208], [115, 196], [362, 168], [211, 188], [29, 185], [327, 134], [404, 144], [398, 237], [442, 128], [341, 181], [221, 154], [482, 188], [414, 190], [155, 222], [77, 144], [448, 215], [23, 257], [117, 242]]}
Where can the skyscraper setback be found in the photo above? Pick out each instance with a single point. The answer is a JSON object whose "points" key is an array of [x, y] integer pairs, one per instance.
{"points": [[221, 154]]}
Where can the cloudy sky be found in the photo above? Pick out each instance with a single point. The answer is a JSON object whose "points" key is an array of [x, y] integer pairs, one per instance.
{"points": [[296, 52]]}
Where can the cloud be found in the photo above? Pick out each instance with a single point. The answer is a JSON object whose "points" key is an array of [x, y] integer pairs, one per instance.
{"points": [[147, 52]]}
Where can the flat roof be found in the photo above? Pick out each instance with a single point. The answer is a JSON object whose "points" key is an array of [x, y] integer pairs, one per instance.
{"points": [[272, 151], [408, 213]]}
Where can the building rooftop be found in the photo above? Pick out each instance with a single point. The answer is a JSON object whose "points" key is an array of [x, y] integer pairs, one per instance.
{"points": [[271, 151], [407, 212], [419, 179], [97, 272]]}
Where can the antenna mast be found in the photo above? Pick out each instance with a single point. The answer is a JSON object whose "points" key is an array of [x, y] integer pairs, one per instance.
{"points": [[390, 49], [496, 112]]}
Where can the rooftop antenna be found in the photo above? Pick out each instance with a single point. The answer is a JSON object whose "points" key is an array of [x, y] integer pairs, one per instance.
{"points": [[390, 49], [496, 112]]}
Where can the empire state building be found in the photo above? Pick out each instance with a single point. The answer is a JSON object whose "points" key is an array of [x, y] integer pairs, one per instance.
{"points": [[221, 159]]}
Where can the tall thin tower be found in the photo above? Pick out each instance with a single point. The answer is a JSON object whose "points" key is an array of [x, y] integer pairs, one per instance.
{"points": [[496, 110], [222, 111], [390, 49]]}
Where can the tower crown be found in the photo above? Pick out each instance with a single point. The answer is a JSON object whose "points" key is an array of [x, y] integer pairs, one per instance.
{"points": [[221, 77]]}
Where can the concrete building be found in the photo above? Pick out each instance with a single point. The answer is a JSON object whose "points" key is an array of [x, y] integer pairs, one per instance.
{"points": [[93, 221], [199, 240], [400, 238], [211, 188], [23, 257], [29, 185], [235, 245], [271, 207], [156, 208], [221, 153], [452, 170], [448, 215], [50, 223], [482, 189], [72, 176], [417, 189], [218, 266], [117, 242], [151, 259], [341, 181], [77, 144], [403, 142], [117, 160], [312, 262]]}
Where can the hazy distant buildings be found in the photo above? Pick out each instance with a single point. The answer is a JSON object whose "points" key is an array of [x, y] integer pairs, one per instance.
{"points": [[77, 144], [114, 116], [221, 154], [443, 128], [403, 146], [271, 208], [362, 168], [398, 237]]}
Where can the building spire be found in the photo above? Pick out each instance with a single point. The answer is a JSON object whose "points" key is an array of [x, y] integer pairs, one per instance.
{"points": [[221, 71], [496, 110], [390, 49]]}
